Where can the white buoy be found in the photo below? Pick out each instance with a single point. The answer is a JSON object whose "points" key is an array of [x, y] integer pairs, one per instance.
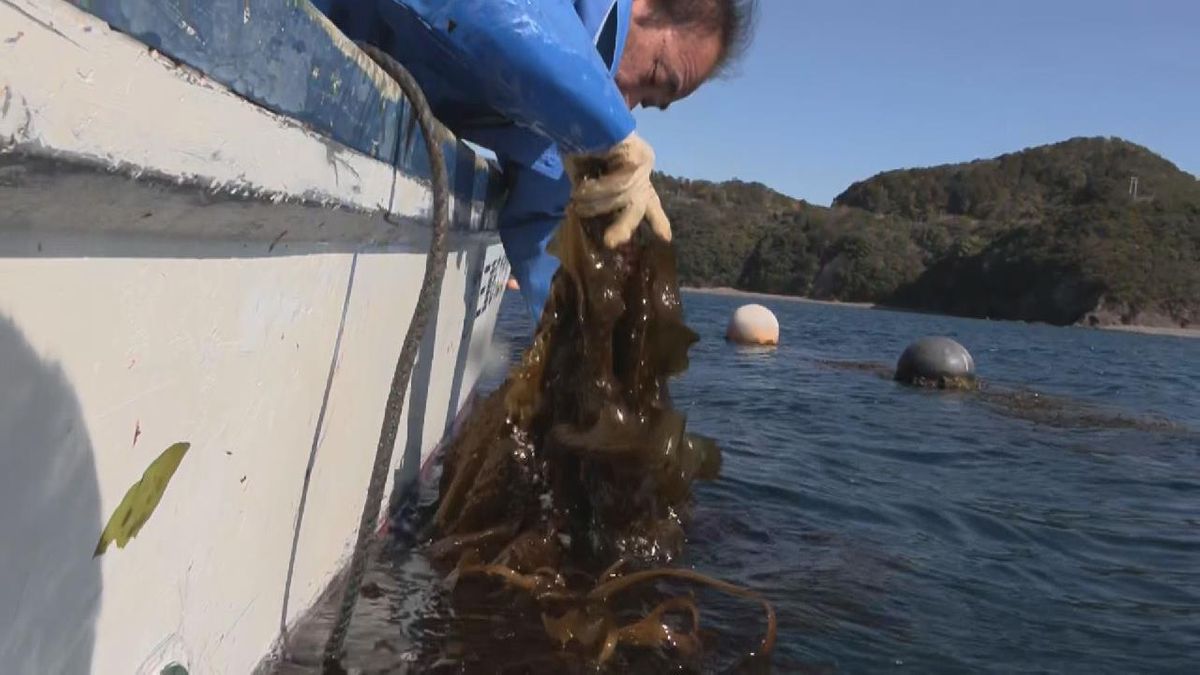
{"points": [[753, 325]]}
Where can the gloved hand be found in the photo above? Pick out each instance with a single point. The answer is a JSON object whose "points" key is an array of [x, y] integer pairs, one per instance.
{"points": [[618, 180]]}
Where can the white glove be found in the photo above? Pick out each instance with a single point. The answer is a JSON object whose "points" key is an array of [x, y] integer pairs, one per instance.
{"points": [[622, 184]]}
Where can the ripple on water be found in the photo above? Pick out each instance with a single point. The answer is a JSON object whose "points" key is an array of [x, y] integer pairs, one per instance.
{"points": [[920, 532]]}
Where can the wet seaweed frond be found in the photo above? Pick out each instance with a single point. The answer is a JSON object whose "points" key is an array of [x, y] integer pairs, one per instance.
{"points": [[578, 469]]}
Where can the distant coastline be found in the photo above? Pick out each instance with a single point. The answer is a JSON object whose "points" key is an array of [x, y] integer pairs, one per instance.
{"points": [[1154, 330], [733, 292], [1051, 234], [736, 293]]}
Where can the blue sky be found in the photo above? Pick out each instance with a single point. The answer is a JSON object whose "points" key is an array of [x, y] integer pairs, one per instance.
{"points": [[838, 90]]}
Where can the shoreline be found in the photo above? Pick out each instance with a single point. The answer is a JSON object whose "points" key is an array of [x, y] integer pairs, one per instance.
{"points": [[1173, 331], [725, 291], [735, 293]]}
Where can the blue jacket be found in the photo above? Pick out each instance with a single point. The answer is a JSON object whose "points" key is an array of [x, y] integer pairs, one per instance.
{"points": [[523, 78]]}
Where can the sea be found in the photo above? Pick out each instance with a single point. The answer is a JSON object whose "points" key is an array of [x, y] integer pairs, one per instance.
{"points": [[1048, 523]]}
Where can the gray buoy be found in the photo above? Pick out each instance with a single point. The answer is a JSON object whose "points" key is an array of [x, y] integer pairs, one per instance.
{"points": [[937, 362]]}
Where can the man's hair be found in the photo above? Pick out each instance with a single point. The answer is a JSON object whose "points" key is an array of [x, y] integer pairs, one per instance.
{"points": [[731, 20]]}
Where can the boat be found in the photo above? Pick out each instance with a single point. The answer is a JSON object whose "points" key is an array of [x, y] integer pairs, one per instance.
{"points": [[214, 227]]}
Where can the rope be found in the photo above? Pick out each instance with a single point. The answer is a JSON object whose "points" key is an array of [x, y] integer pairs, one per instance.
{"points": [[435, 268]]}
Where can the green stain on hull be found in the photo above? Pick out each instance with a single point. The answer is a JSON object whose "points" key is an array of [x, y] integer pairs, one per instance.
{"points": [[141, 499]]}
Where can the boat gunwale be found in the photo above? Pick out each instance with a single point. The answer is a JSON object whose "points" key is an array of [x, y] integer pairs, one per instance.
{"points": [[225, 42]]}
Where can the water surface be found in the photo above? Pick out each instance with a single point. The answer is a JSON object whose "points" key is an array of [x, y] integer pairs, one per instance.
{"points": [[912, 531]]}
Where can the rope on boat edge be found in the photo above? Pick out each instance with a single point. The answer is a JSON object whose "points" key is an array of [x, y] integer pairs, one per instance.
{"points": [[431, 285]]}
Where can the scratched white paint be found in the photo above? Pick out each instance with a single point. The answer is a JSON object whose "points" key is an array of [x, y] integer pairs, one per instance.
{"points": [[71, 85], [232, 356], [350, 425], [114, 347]]}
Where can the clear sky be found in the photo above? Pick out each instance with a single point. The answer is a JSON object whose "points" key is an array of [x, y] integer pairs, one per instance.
{"points": [[834, 91]]}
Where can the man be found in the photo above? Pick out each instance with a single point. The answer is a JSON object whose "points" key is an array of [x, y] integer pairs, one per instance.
{"points": [[540, 81]]}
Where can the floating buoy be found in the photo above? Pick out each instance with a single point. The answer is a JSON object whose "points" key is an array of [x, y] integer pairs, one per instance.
{"points": [[513, 285], [753, 325], [937, 363]]}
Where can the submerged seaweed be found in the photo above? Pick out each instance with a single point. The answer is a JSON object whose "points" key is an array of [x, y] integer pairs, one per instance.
{"points": [[1026, 404], [571, 485]]}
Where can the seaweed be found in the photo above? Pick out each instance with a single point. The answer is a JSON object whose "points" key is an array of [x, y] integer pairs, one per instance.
{"points": [[571, 485]]}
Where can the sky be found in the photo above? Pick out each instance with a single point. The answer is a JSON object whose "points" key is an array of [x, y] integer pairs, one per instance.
{"points": [[835, 91]]}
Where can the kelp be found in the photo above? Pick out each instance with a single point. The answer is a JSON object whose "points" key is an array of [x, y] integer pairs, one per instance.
{"points": [[1023, 403], [571, 484]]}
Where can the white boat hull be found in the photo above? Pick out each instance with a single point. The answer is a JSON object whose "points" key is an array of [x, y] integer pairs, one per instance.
{"points": [[179, 265]]}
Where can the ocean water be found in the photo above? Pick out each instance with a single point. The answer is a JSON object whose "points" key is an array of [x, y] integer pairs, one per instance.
{"points": [[899, 530], [917, 531]]}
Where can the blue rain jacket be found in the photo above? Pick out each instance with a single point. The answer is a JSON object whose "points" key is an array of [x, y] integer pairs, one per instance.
{"points": [[523, 78]]}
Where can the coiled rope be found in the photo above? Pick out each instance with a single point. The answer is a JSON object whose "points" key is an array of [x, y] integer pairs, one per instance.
{"points": [[431, 285]]}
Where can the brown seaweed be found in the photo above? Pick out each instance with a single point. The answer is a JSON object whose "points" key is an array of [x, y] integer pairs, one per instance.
{"points": [[571, 485], [1025, 404]]}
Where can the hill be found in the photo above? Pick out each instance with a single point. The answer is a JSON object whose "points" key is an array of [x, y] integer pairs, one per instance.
{"points": [[1049, 234], [716, 225]]}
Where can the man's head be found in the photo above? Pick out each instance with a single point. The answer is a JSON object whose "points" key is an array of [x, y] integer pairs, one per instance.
{"points": [[675, 45]]}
